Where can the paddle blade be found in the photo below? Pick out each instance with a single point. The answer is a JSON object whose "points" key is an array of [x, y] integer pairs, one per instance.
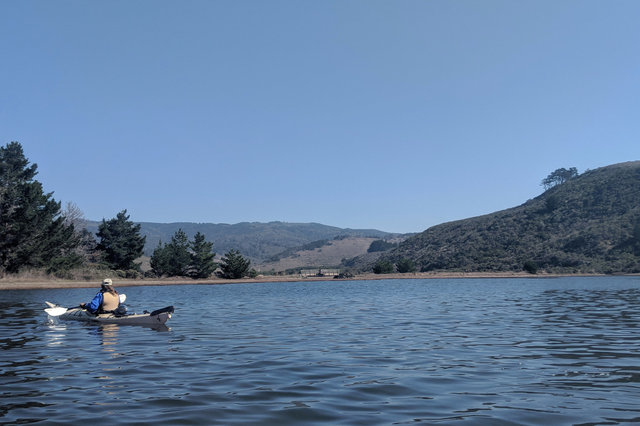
{"points": [[122, 297], [57, 311]]}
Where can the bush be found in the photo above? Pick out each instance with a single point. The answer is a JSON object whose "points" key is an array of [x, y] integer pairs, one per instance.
{"points": [[343, 276], [383, 267], [405, 265], [530, 267], [380, 245]]}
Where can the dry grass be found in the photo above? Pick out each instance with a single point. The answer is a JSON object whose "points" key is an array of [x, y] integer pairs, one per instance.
{"points": [[329, 255], [88, 274]]}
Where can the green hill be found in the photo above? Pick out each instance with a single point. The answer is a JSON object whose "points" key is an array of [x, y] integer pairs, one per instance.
{"points": [[590, 223]]}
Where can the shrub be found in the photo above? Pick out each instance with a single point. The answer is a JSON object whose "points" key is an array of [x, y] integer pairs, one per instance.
{"points": [[383, 267], [380, 245], [530, 267], [405, 265]]}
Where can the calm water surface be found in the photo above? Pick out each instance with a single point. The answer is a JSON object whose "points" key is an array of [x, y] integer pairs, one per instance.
{"points": [[517, 351]]}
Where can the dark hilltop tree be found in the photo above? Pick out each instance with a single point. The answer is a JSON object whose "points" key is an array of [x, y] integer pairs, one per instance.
{"points": [[33, 232], [558, 177], [120, 242]]}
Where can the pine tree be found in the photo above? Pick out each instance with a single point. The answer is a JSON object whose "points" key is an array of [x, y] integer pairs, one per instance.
{"points": [[181, 258], [33, 233], [159, 260], [177, 254], [233, 265], [120, 242], [202, 255]]}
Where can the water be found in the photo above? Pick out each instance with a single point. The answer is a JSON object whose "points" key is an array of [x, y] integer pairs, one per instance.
{"points": [[480, 351]]}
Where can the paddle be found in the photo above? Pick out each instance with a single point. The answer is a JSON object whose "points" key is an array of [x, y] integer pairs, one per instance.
{"points": [[55, 310]]}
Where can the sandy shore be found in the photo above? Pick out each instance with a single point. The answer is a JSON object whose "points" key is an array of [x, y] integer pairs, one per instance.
{"points": [[26, 284]]}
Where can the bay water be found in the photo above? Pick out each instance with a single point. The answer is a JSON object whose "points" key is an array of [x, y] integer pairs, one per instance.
{"points": [[453, 351]]}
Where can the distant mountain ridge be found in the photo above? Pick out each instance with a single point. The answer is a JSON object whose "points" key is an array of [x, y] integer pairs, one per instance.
{"points": [[590, 223], [255, 240]]}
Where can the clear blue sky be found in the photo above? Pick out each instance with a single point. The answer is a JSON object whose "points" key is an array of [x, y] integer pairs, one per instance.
{"points": [[395, 115]]}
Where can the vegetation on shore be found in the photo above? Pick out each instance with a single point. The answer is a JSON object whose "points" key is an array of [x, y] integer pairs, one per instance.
{"points": [[33, 233], [36, 235]]}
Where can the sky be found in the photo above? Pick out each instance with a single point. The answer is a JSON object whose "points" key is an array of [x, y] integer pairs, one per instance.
{"points": [[392, 115]]}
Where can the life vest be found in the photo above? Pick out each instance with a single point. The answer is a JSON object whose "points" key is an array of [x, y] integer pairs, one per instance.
{"points": [[110, 302]]}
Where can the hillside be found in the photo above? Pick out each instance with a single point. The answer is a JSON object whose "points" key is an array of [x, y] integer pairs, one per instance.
{"points": [[590, 223], [257, 241], [318, 254]]}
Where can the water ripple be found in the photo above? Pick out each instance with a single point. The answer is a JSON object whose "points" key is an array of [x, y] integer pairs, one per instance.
{"points": [[562, 351]]}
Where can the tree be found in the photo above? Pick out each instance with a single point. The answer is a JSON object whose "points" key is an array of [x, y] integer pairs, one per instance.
{"points": [[202, 255], [233, 265], [405, 265], [181, 258], [178, 256], [87, 242], [380, 245], [636, 238], [552, 202], [172, 259], [559, 176], [383, 267], [120, 242], [33, 232], [73, 215], [159, 260], [530, 266]]}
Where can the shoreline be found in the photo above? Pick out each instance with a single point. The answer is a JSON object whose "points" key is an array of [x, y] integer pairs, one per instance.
{"points": [[43, 284]]}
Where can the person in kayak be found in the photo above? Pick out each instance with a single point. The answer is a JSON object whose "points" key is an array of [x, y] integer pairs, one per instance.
{"points": [[107, 299]]}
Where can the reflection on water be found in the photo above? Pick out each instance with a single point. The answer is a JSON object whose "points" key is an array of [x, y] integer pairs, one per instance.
{"points": [[108, 334], [562, 351]]}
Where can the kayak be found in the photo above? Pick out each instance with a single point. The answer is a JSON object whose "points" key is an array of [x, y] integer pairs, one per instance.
{"points": [[157, 317]]}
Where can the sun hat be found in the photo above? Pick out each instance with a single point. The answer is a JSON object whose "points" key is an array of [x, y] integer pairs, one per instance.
{"points": [[107, 281]]}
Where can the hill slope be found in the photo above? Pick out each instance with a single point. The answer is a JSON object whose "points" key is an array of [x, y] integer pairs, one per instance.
{"points": [[590, 223], [257, 241], [319, 254]]}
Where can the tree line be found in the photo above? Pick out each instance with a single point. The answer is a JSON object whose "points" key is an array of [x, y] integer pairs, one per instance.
{"points": [[35, 233], [183, 258]]}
